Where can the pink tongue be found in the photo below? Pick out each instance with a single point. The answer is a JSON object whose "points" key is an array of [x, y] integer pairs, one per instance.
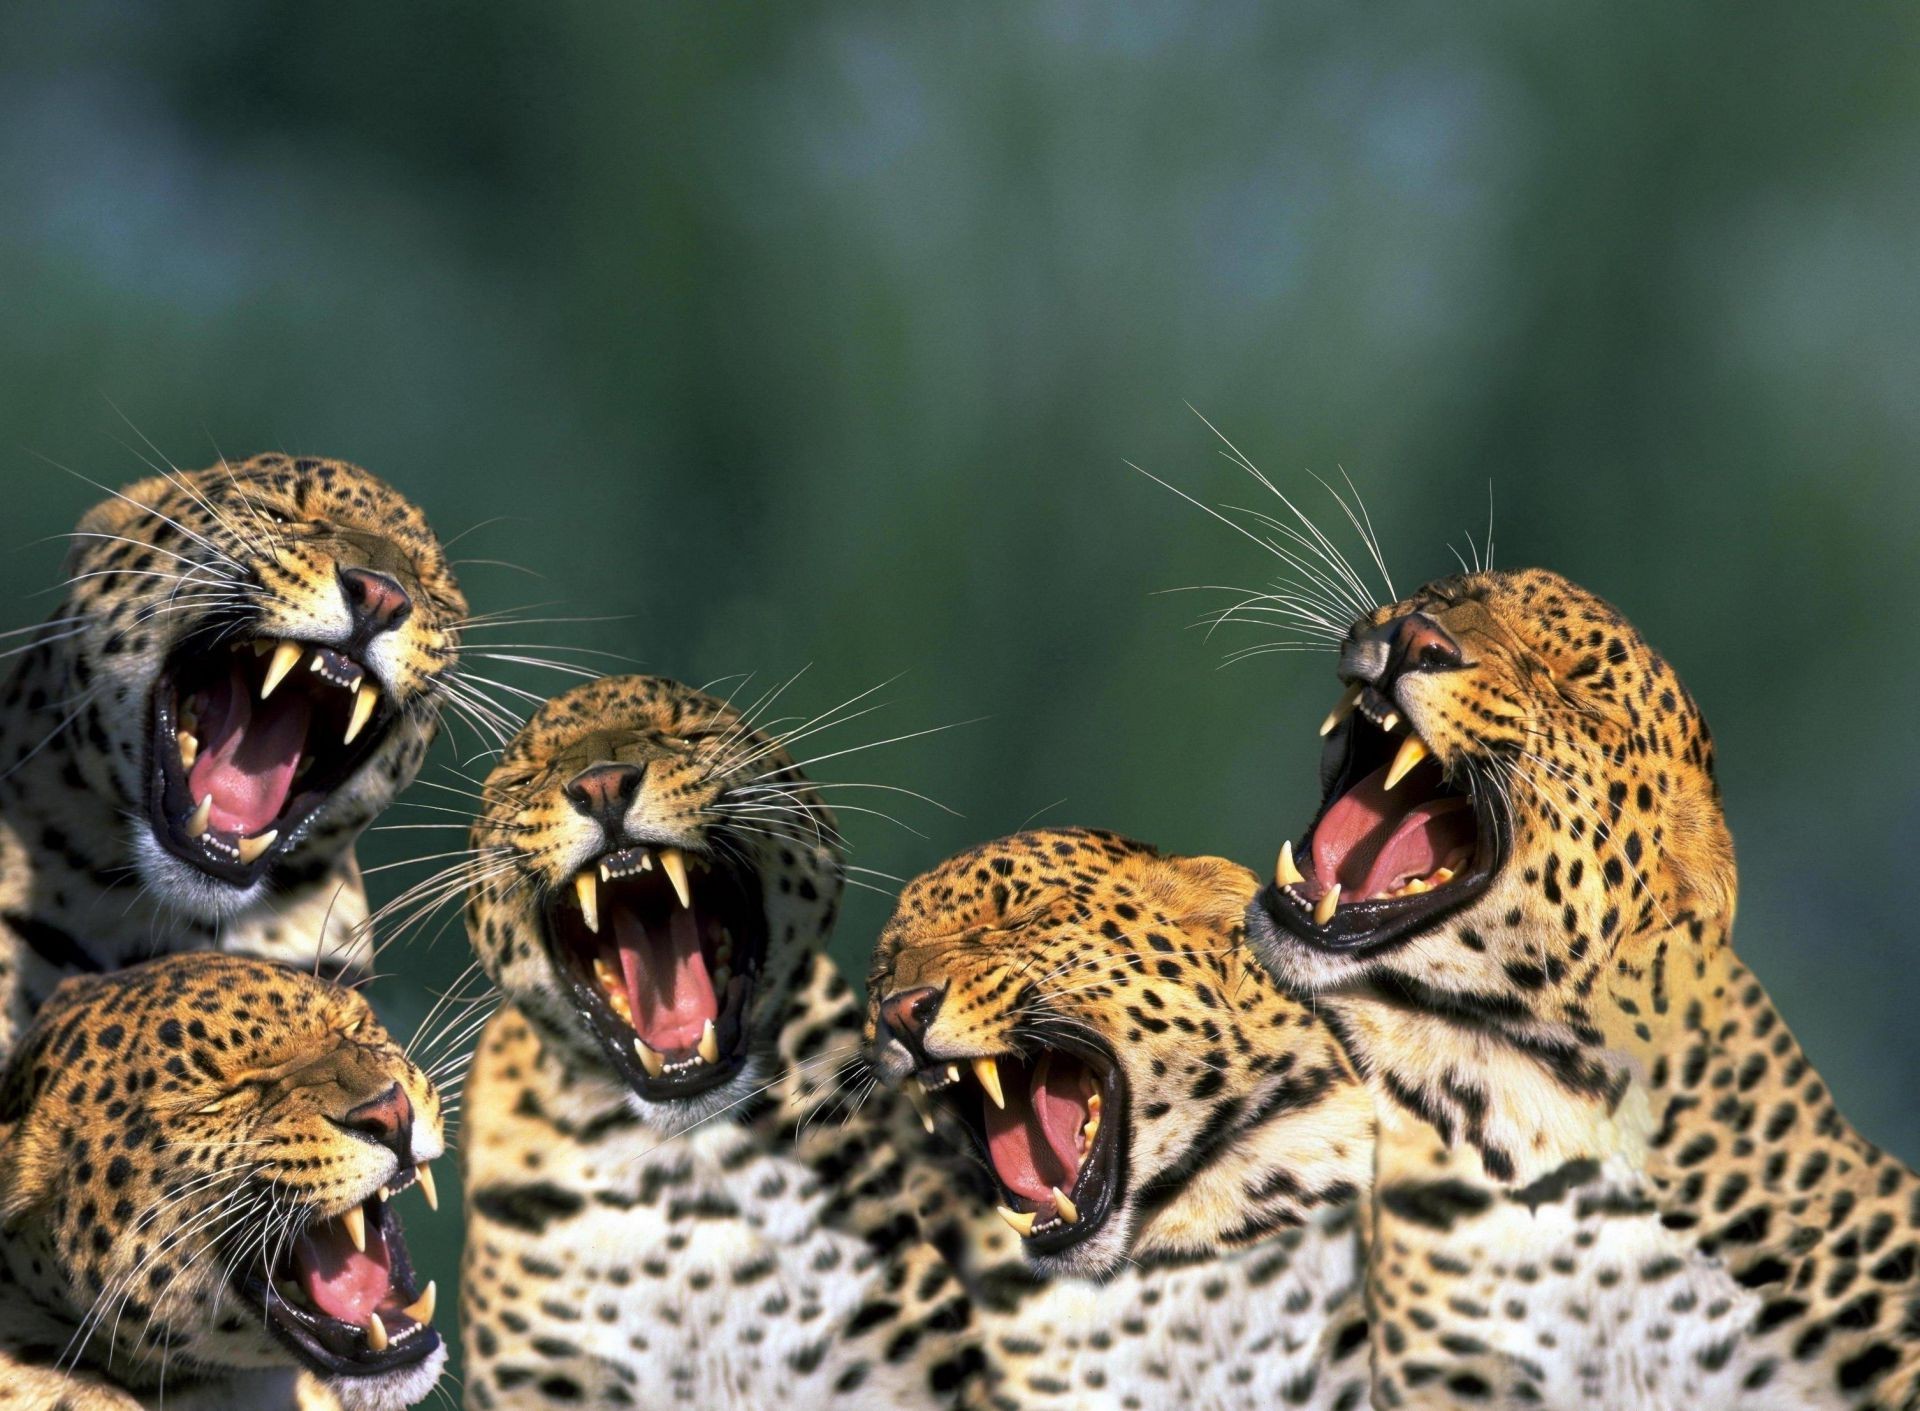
{"points": [[1035, 1142], [248, 753], [1372, 841], [667, 984], [337, 1278]]}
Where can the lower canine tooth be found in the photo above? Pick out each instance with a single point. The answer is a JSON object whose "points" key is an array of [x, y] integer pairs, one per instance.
{"points": [[1021, 1220], [376, 1333], [649, 1060], [421, 1309], [1066, 1209], [364, 700], [1284, 871], [709, 1049], [587, 890], [917, 1096], [202, 816], [1329, 903], [252, 848]]}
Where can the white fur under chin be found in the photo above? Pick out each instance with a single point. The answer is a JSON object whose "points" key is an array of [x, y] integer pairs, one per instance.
{"points": [[391, 1391], [184, 888], [683, 1114]]}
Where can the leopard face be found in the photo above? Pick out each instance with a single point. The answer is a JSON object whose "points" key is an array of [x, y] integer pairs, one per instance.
{"points": [[197, 1159], [652, 877], [1081, 1014], [1518, 795], [257, 654]]}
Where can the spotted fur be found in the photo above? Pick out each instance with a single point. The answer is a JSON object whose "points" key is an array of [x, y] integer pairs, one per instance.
{"points": [[159, 1128], [1606, 1175], [1224, 1270], [237, 551], [741, 1248]]}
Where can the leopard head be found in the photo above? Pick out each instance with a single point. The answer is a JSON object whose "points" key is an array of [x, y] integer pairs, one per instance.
{"points": [[652, 876], [197, 1162]]}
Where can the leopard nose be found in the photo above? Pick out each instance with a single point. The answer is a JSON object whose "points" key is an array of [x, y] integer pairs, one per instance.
{"points": [[1382, 655], [906, 1013], [376, 601], [386, 1120], [604, 792]]}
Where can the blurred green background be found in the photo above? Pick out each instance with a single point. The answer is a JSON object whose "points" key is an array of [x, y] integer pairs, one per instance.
{"points": [[821, 333]]}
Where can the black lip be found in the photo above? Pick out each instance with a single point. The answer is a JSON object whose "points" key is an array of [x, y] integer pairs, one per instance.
{"points": [[326, 1345], [1367, 928], [169, 803], [1103, 1176], [732, 1029]]}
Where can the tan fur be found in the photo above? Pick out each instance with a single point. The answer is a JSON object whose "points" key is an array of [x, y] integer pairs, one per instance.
{"points": [[1226, 1271], [236, 551], [1606, 1173], [154, 1124]]}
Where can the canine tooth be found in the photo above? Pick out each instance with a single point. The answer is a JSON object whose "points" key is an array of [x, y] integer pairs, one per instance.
{"points": [[709, 1049], [202, 816], [427, 1188], [286, 656], [376, 1333], [1284, 872], [649, 1060], [587, 891], [916, 1094], [189, 748], [364, 700], [1021, 1220], [1067, 1210], [421, 1309], [1392, 722], [1329, 903], [252, 848], [987, 1070], [674, 863], [1339, 713], [356, 1222], [1412, 751]]}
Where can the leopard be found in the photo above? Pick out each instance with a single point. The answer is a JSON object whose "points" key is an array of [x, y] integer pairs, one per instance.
{"points": [[201, 1159], [1161, 1156], [1606, 1174], [247, 664], [681, 1190]]}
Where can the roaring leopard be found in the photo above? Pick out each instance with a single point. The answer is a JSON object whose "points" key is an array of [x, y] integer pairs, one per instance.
{"points": [[674, 1196], [1170, 1152], [198, 1159], [1606, 1174], [247, 664]]}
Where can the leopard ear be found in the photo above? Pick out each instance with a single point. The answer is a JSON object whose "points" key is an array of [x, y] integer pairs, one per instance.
{"points": [[115, 514]]}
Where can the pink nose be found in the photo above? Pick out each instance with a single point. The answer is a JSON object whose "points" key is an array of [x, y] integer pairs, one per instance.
{"points": [[376, 600]]}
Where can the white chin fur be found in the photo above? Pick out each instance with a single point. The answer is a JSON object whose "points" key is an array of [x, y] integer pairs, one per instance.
{"points": [[391, 1391], [184, 888], [1097, 1258], [682, 1114]]}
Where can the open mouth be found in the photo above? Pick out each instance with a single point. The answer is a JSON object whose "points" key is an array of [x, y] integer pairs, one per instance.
{"points": [[662, 949], [1046, 1125], [1397, 844], [249, 739], [341, 1295]]}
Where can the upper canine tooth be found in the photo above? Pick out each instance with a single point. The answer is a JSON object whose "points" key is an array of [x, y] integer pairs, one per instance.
{"points": [[1412, 750], [1021, 1220], [202, 816], [285, 657], [364, 700], [654, 1063], [356, 1222], [421, 1309], [425, 1173], [252, 848], [1324, 908], [1067, 1210], [1284, 872], [987, 1070], [1348, 700], [376, 1333], [709, 1049], [587, 891], [674, 863]]}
